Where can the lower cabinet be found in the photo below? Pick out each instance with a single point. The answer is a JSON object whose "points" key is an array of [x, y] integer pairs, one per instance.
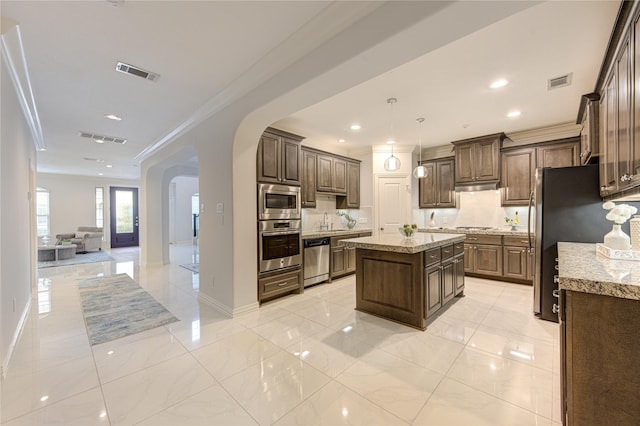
{"points": [[518, 259], [443, 276], [343, 259], [495, 256], [485, 252], [275, 284]]}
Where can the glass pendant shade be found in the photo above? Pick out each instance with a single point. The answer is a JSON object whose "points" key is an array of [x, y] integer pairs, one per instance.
{"points": [[420, 172], [392, 163]]}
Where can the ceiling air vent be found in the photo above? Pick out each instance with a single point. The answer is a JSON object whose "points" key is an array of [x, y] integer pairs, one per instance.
{"points": [[138, 72], [102, 138], [557, 82]]}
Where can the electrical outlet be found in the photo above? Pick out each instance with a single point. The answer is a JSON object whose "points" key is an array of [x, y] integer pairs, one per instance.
{"points": [[219, 208], [363, 220]]}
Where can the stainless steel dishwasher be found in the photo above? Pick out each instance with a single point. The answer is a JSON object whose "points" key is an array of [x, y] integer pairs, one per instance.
{"points": [[316, 260]]}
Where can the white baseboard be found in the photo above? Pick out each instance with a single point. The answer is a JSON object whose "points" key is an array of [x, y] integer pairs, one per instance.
{"points": [[227, 310], [16, 335]]}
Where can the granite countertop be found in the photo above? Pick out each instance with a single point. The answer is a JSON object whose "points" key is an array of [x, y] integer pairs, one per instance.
{"points": [[491, 231], [397, 243], [333, 233], [581, 269]]}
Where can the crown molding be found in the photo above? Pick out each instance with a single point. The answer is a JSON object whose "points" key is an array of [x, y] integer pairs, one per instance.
{"points": [[543, 134], [13, 53]]}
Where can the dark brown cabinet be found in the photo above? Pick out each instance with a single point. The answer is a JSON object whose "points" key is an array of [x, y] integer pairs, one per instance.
{"points": [[352, 199], [518, 174], [332, 174], [279, 283], [279, 159], [308, 184], [343, 258], [515, 262], [433, 290], [443, 276], [599, 349], [559, 154], [477, 160], [437, 189], [486, 254], [590, 132]]}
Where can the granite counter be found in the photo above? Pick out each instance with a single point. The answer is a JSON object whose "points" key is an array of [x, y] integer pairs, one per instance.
{"points": [[398, 244]]}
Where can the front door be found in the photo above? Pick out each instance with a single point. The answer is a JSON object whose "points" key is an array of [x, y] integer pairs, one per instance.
{"points": [[124, 217], [393, 204]]}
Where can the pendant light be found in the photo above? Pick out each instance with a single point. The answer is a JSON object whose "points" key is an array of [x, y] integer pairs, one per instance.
{"points": [[392, 163], [420, 171]]}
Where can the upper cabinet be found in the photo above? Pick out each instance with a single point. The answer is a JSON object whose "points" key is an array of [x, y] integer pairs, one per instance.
{"points": [[477, 160], [619, 89], [352, 199], [436, 190], [279, 159], [589, 118], [519, 166], [332, 174], [308, 184]]}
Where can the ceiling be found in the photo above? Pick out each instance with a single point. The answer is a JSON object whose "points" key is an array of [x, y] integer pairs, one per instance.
{"points": [[199, 48]]}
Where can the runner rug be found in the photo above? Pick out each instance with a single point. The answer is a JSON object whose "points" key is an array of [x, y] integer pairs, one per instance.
{"points": [[116, 306], [89, 257]]}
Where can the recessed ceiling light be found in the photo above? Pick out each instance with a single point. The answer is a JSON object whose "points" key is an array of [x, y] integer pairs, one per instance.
{"points": [[108, 166], [98, 140], [113, 117], [341, 140], [44, 398], [391, 142], [42, 149], [100, 174], [514, 114], [355, 127], [498, 83]]}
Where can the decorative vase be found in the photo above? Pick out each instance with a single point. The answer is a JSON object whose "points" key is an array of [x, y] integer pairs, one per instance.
{"points": [[635, 232], [617, 239], [351, 223]]}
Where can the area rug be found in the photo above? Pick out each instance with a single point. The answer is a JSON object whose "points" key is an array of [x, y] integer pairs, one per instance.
{"points": [[193, 267], [116, 306], [89, 257]]}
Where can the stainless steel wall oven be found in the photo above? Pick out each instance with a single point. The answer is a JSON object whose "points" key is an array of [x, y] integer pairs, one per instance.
{"points": [[278, 202], [279, 244]]}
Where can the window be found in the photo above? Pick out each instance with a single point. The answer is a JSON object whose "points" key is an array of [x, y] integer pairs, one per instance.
{"points": [[99, 207], [42, 211]]}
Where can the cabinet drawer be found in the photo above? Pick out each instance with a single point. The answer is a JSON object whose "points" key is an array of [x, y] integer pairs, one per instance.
{"points": [[458, 248], [447, 251], [484, 239], [432, 256], [280, 283], [517, 241]]}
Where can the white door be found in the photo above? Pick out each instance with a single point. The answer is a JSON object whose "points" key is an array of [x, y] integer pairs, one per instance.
{"points": [[393, 203]]}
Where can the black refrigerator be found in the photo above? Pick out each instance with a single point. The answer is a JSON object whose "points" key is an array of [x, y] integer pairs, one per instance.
{"points": [[568, 207]]}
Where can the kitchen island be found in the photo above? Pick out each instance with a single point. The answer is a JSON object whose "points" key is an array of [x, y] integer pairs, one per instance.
{"points": [[599, 343], [408, 280]]}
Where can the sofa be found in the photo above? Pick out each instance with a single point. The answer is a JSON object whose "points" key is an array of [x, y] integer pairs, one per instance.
{"points": [[85, 238]]}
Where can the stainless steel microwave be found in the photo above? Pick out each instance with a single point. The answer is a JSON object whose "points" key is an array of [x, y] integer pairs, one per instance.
{"points": [[278, 202]]}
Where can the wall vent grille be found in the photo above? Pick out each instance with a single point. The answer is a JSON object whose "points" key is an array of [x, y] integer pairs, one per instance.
{"points": [[557, 82], [102, 138], [135, 71]]}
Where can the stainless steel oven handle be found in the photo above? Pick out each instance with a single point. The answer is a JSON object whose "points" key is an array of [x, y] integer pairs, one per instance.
{"points": [[274, 233]]}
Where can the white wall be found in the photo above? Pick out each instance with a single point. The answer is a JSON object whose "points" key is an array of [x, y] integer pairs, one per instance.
{"points": [[17, 163], [72, 201], [185, 187]]}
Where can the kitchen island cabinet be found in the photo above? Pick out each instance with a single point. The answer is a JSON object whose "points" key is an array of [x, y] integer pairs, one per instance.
{"points": [[407, 280], [599, 344]]}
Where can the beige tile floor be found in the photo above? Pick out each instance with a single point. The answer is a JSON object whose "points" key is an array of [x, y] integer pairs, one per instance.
{"points": [[302, 360]]}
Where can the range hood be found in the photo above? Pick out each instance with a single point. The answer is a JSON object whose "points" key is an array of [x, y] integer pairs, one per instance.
{"points": [[472, 187]]}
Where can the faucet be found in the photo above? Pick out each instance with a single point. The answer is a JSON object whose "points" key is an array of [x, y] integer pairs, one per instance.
{"points": [[325, 222]]}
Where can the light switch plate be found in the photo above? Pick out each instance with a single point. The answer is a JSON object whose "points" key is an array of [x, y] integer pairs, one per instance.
{"points": [[219, 208]]}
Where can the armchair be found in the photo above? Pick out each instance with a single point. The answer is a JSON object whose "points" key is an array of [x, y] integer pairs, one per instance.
{"points": [[85, 238]]}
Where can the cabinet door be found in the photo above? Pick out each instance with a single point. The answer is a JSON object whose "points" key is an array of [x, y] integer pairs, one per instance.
{"points": [[488, 260], [446, 196], [427, 197], [325, 173], [623, 69], [291, 162], [464, 163], [308, 187], [469, 258], [531, 263], [608, 163], [269, 158], [635, 158], [339, 175], [514, 262], [517, 179], [486, 160], [350, 258], [459, 274], [448, 281], [433, 290], [353, 185], [338, 263], [559, 155]]}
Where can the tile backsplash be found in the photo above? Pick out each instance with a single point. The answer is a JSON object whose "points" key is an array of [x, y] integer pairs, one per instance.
{"points": [[479, 208], [312, 218]]}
